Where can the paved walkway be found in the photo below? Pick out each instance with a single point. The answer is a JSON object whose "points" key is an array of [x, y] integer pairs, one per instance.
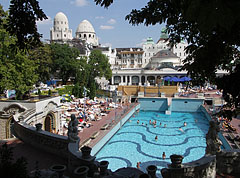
{"points": [[97, 125]]}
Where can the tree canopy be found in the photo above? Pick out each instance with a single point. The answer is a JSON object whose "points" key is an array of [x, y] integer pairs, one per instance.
{"points": [[21, 22], [212, 30]]}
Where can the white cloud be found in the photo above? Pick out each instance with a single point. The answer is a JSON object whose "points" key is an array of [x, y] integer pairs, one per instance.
{"points": [[99, 17], [112, 21], [142, 42], [45, 22], [106, 27], [80, 3]]}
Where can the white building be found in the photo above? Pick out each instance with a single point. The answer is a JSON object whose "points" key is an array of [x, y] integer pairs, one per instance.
{"points": [[60, 30], [86, 32]]}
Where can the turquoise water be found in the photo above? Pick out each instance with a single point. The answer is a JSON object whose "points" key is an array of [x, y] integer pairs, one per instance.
{"points": [[136, 142]]}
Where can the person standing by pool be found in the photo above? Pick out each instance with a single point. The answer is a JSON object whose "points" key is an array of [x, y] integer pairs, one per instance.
{"points": [[163, 156], [138, 165]]}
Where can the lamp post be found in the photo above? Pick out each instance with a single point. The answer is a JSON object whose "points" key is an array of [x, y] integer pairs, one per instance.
{"points": [[115, 100], [84, 93]]}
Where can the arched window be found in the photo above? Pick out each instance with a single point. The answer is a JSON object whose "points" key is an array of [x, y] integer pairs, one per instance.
{"points": [[89, 35], [61, 22], [84, 35], [79, 35]]}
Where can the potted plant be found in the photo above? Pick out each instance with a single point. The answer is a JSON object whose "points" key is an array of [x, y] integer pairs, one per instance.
{"points": [[59, 168], [86, 150], [176, 160]]}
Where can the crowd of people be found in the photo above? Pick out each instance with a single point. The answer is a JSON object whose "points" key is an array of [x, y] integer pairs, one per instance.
{"points": [[86, 111]]}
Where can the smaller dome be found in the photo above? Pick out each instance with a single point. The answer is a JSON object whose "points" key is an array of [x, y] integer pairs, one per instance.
{"points": [[85, 26]]}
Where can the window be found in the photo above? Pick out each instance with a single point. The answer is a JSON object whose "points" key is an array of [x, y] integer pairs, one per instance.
{"points": [[179, 54], [64, 35], [145, 54], [149, 54], [79, 35], [57, 35], [65, 22], [132, 62], [61, 22], [89, 35], [132, 55], [84, 35]]}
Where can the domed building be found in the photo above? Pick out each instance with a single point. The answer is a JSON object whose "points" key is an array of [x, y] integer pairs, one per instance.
{"points": [[60, 30], [86, 32]]}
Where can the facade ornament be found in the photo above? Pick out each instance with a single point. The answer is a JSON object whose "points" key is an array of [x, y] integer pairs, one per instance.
{"points": [[73, 129]]}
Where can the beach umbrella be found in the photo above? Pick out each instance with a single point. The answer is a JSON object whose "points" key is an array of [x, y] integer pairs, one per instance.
{"points": [[185, 79], [174, 79], [167, 78]]}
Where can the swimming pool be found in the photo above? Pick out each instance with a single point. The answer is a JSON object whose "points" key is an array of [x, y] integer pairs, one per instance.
{"points": [[136, 142]]}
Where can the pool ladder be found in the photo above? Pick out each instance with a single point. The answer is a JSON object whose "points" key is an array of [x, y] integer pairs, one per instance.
{"points": [[169, 110]]}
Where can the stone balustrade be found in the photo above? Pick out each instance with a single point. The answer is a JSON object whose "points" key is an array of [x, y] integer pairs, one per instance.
{"points": [[53, 143], [228, 162], [202, 168]]}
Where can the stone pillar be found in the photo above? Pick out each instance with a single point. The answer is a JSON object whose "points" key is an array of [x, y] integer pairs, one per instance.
{"points": [[140, 80], [112, 80], [130, 80]]}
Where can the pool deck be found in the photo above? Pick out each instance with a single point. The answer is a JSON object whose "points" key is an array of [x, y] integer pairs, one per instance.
{"points": [[97, 125]]}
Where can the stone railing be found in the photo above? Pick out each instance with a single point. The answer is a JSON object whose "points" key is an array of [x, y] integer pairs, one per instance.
{"points": [[202, 168], [228, 162], [53, 143]]}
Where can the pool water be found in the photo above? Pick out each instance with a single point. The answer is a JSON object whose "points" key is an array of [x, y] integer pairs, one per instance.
{"points": [[136, 142]]}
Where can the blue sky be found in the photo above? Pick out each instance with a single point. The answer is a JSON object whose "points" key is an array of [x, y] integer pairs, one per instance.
{"points": [[109, 24]]}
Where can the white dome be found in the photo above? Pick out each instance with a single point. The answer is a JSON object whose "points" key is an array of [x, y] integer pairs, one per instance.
{"points": [[61, 21], [85, 26]]}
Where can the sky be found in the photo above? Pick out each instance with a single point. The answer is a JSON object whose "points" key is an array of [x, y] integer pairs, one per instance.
{"points": [[110, 25]]}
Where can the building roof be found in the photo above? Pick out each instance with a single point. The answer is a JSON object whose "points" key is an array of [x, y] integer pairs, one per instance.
{"points": [[131, 52], [165, 54], [61, 21], [85, 27], [149, 41]]}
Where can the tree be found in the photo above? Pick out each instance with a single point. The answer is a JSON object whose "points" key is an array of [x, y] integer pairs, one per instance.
{"points": [[64, 61], [43, 60], [21, 22], [98, 67], [212, 30], [17, 71]]}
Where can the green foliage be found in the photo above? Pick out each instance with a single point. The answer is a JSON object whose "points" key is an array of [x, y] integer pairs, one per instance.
{"points": [[39, 92], [21, 22], [8, 168], [99, 65], [18, 73], [49, 92], [64, 61], [43, 60], [66, 90]]}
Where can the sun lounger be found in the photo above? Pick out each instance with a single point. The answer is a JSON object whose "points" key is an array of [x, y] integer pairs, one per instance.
{"points": [[237, 144], [94, 135], [231, 137], [104, 127], [86, 142]]}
